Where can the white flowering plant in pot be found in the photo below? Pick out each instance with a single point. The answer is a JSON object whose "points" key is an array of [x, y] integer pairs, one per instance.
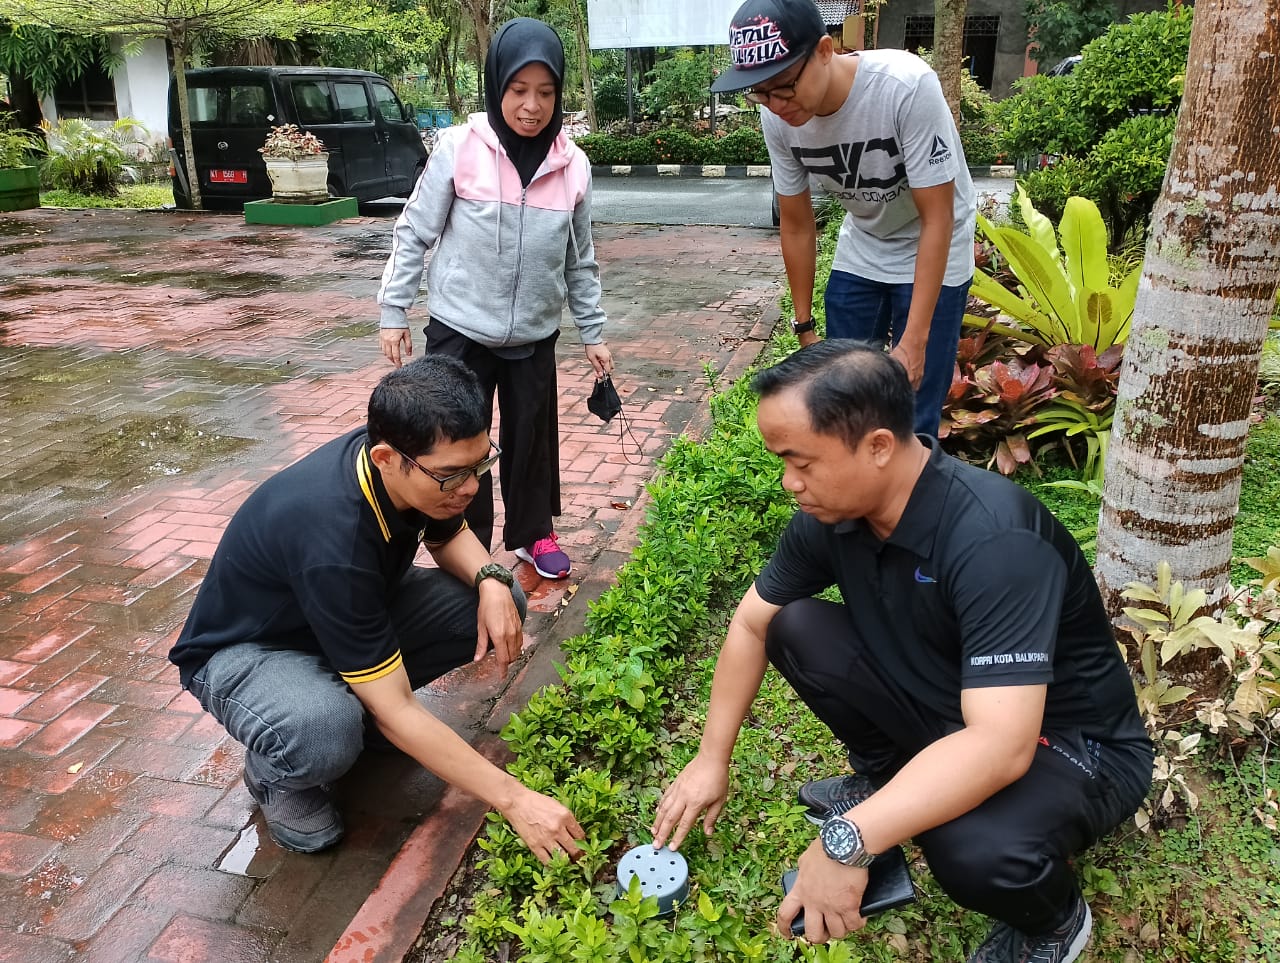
{"points": [[297, 164]]}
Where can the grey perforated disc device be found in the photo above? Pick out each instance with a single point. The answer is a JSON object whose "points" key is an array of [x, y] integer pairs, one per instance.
{"points": [[663, 874]]}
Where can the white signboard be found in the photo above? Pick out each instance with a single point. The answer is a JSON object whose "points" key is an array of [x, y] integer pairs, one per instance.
{"points": [[659, 23]]}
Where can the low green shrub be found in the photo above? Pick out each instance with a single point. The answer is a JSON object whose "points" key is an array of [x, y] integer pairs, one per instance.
{"points": [[1112, 117]]}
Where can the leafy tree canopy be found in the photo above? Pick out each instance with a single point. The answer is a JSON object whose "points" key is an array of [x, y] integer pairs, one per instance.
{"points": [[1062, 27], [47, 58]]}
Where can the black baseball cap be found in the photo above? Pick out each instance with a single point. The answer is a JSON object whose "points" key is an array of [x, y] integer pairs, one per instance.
{"points": [[766, 37]]}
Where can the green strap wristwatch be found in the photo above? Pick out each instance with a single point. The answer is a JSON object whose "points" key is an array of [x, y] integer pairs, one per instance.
{"points": [[494, 570]]}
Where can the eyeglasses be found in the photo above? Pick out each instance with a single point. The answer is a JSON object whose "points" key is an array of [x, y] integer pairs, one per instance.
{"points": [[781, 92], [459, 478]]}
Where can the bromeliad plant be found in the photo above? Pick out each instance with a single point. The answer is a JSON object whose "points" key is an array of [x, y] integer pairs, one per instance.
{"points": [[1061, 296], [1056, 309], [995, 404]]}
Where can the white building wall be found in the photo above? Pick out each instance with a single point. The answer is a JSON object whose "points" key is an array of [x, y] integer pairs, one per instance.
{"points": [[142, 88]]}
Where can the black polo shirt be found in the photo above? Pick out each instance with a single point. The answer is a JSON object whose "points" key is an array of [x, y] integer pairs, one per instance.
{"points": [[311, 561], [978, 585]]}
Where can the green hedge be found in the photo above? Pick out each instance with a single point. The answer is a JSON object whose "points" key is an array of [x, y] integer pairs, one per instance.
{"points": [[675, 146]]}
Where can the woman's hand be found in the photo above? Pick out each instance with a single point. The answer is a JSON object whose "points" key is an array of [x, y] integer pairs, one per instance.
{"points": [[397, 344], [601, 359]]}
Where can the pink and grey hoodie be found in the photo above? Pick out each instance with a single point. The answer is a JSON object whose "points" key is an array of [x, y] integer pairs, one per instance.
{"points": [[507, 257]]}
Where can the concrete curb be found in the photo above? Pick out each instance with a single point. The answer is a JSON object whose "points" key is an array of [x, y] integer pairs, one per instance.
{"points": [[388, 924], [738, 171], [680, 170]]}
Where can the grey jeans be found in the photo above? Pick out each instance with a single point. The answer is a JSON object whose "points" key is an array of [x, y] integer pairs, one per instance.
{"points": [[300, 723]]}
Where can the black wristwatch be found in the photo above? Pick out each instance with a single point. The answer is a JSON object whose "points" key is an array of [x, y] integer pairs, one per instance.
{"points": [[494, 570], [799, 327], [842, 841]]}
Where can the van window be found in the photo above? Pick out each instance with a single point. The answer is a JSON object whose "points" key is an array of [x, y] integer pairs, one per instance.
{"points": [[353, 105], [311, 98], [247, 106], [388, 106], [203, 104]]}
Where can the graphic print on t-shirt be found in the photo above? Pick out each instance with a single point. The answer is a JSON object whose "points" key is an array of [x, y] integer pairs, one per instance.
{"points": [[857, 168], [939, 153]]}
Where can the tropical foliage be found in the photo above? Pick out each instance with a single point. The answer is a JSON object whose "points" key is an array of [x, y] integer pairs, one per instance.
{"points": [[1044, 369], [91, 158]]}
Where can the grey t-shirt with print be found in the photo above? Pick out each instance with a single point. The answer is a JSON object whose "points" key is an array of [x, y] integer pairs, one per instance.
{"points": [[894, 132]]}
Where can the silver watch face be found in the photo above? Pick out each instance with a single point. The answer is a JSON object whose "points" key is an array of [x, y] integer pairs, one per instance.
{"points": [[840, 839]]}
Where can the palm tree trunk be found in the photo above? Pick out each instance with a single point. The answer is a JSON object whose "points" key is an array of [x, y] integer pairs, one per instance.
{"points": [[1207, 292]]}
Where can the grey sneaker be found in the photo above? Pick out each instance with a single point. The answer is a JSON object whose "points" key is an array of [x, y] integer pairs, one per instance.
{"points": [[303, 821], [829, 797], [1004, 944]]}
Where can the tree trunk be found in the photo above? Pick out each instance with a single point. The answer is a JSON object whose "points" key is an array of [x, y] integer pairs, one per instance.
{"points": [[177, 42], [584, 62], [1207, 291], [948, 50]]}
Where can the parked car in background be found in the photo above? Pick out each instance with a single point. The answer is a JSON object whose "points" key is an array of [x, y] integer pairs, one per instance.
{"points": [[374, 147], [1064, 66]]}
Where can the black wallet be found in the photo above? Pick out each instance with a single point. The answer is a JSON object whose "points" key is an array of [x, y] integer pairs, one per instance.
{"points": [[888, 886]]}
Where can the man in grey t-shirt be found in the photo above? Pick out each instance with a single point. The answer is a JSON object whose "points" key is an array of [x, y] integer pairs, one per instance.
{"points": [[876, 132]]}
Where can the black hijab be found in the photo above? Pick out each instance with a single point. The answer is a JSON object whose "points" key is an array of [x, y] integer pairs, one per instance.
{"points": [[517, 44]]}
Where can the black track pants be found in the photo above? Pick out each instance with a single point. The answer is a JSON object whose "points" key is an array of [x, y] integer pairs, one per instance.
{"points": [[1008, 858]]}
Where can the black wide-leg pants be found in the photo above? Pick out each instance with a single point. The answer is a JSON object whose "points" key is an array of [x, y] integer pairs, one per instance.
{"points": [[1008, 858], [529, 434]]}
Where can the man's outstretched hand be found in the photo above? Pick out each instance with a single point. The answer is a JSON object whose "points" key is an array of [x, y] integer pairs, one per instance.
{"points": [[702, 786], [546, 826]]}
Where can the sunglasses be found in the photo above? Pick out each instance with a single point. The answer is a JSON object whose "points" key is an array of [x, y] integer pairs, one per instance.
{"points": [[459, 478]]}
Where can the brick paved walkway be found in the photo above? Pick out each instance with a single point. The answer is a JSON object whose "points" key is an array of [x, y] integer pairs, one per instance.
{"points": [[153, 369]]}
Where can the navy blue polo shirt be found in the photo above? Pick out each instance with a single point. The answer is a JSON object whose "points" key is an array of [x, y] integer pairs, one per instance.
{"points": [[311, 561], [978, 585]]}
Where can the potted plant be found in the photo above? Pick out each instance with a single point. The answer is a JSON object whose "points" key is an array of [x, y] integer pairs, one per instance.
{"points": [[297, 164], [19, 179]]}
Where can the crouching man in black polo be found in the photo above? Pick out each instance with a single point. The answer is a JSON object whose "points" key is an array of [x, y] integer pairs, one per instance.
{"points": [[971, 670], [313, 617]]}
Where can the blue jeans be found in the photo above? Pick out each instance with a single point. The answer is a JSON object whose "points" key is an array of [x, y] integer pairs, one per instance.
{"points": [[300, 723], [874, 311]]}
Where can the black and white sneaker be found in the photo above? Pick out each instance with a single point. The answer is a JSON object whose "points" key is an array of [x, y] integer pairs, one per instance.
{"points": [[1004, 944], [831, 797]]}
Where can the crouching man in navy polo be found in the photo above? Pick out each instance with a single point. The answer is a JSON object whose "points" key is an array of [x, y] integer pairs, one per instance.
{"points": [[313, 619], [970, 671]]}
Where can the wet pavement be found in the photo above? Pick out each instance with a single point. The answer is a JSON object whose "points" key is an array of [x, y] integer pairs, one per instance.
{"points": [[154, 368]]}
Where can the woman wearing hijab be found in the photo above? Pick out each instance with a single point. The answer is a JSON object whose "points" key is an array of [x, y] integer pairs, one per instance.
{"points": [[506, 200]]}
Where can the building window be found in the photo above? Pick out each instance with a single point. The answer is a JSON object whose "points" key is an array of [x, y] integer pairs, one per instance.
{"points": [[980, 33], [92, 96], [918, 33]]}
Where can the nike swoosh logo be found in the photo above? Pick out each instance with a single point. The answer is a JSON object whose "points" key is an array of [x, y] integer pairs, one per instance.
{"points": [[922, 578]]}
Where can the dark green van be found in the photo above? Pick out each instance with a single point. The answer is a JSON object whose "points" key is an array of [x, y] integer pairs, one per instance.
{"points": [[375, 149]]}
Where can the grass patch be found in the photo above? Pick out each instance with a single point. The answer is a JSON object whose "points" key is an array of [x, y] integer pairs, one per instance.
{"points": [[135, 196]]}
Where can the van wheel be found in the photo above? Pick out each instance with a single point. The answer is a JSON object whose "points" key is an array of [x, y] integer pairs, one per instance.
{"points": [[335, 188], [417, 175]]}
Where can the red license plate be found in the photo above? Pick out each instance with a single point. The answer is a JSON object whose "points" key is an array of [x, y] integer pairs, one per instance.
{"points": [[228, 177]]}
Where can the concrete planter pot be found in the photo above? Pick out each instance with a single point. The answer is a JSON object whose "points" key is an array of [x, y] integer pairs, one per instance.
{"points": [[301, 181], [19, 188]]}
